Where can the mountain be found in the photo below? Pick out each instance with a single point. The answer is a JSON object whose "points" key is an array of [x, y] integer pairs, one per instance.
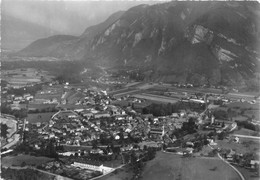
{"points": [[65, 46], [198, 42], [51, 46]]}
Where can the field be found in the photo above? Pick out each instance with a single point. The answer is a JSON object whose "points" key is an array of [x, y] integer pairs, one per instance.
{"points": [[120, 174], [22, 77], [242, 105], [48, 96], [173, 167], [19, 159], [241, 111], [39, 117]]}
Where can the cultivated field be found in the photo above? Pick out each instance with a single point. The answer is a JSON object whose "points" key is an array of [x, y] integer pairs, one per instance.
{"points": [[244, 146], [25, 76], [19, 159], [173, 167]]}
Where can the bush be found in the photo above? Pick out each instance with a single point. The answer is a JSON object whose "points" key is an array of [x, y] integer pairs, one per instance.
{"points": [[23, 164], [246, 125]]}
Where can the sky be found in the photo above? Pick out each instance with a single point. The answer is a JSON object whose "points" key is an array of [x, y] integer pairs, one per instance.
{"points": [[66, 17], [24, 21]]}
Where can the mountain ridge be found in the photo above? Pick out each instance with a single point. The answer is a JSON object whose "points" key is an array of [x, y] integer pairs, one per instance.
{"points": [[202, 43]]}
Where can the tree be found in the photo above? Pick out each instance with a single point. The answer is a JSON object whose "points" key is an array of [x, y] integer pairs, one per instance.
{"points": [[82, 153], [220, 114], [94, 144], [257, 168], [133, 158], [145, 148], [189, 126], [4, 131], [51, 149], [145, 110], [221, 135]]}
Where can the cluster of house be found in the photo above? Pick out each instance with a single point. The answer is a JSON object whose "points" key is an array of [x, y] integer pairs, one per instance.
{"points": [[82, 126], [18, 102], [241, 159]]}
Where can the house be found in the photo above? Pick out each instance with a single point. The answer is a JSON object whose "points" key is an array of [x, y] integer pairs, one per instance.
{"points": [[18, 98], [253, 163], [87, 114], [189, 150], [96, 151], [15, 107], [51, 135], [16, 102], [236, 139], [189, 144], [72, 116], [211, 142], [102, 114], [175, 115], [230, 155]]}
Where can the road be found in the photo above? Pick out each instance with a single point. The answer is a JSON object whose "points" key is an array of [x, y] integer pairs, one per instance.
{"points": [[202, 90], [245, 136], [239, 173], [103, 146], [156, 98], [127, 93]]}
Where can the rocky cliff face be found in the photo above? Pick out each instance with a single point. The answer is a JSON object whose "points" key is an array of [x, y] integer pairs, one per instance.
{"points": [[198, 42]]}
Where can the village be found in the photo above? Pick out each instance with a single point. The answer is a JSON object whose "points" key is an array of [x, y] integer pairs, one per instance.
{"points": [[90, 132]]}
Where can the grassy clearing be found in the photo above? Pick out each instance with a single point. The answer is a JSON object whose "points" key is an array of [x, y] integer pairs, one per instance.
{"points": [[246, 132], [173, 167], [39, 117]]}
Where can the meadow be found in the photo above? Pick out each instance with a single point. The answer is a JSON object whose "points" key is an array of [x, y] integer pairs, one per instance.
{"points": [[172, 167]]}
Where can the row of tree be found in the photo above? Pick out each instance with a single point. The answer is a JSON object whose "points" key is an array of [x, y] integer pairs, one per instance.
{"points": [[168, 109]]}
